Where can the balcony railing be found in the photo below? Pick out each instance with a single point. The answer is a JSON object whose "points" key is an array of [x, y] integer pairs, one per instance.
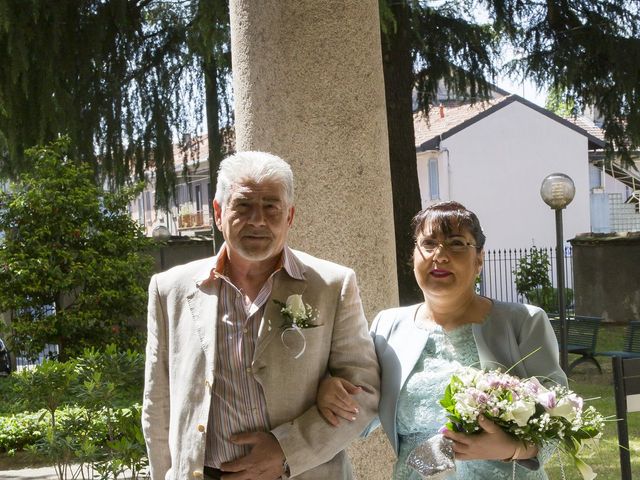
{"points": [[193, 221]]}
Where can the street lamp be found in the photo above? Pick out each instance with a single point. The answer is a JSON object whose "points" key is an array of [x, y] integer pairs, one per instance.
{"points": [[557, 191], [161, 234]]}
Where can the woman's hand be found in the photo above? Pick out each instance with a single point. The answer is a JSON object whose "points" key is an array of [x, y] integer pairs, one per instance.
{"points": [[491, 444], [335, 400]]}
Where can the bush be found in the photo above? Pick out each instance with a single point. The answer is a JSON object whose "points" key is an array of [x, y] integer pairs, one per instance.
{"points": [[9, 401], [46, 386], [532, 275], [547, 298], [110, 377], [22, 429], [84, 411]]}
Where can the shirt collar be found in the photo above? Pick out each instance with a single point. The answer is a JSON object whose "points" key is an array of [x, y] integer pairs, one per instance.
{"points": [[291, 264]]}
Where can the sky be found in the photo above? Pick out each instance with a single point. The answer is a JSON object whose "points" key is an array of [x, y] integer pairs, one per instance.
{"points": [[526, 90]]}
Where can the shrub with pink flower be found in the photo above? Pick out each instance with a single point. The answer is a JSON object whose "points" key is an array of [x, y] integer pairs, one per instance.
{"points": [[524, 408]]}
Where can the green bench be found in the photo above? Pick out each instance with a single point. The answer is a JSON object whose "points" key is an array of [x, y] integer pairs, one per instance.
{"points": [[582, 336], [631, 348]]}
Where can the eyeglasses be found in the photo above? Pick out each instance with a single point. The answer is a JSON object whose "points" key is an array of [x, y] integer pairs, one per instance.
{"points": [[453, 245]]}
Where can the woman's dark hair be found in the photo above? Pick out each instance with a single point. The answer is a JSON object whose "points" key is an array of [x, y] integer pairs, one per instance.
{"points": [[447, 218]]}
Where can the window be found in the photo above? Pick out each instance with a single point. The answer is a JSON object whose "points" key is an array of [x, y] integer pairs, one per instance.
{"points": [[198, 199], [595, 177], [434, 182]]}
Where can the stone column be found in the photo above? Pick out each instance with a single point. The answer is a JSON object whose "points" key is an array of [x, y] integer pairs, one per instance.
{"points": [[308, 86]]}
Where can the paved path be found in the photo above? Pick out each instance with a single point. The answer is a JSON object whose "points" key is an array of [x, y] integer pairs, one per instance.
{"points": [[44, 473]]}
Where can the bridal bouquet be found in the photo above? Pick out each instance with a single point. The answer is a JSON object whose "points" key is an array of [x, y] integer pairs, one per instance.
{"points": [[524, 408]]}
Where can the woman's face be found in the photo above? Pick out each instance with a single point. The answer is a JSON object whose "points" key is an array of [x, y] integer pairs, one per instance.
{"points": [[446, 265]]}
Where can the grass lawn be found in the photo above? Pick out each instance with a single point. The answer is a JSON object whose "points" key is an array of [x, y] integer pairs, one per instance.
{"points": [[589, 383]]}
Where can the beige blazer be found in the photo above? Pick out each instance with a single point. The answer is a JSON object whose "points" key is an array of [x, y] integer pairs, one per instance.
{"points": [[180, 365]]}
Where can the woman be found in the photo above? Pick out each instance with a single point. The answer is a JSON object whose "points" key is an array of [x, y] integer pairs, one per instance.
{"points": [[421, 346]]}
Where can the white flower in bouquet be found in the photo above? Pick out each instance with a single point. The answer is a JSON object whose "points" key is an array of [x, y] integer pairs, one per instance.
{"points": [[520, 412], [567, 407]]}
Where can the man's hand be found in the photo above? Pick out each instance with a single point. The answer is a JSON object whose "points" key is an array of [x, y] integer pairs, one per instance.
{"points": [[265, 462]]}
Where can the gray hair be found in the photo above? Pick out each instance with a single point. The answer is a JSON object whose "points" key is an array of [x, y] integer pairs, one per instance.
{"points": [[253, 167]]}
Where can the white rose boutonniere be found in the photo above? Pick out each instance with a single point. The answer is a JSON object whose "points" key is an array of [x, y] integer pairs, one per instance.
{"points": [[297, 316], [296, 313]]}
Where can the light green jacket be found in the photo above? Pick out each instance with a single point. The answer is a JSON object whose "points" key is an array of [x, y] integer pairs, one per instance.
{"points": [[510, 332]]}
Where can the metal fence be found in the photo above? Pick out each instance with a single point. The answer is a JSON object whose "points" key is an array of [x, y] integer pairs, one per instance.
{"points": [[50, 350], [24, 363], [498, 279]]}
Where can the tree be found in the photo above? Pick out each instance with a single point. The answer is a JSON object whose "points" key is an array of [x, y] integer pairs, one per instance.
{"points": [[587, 49], [420, 46], [128, 75], [532, 275], [213, 46], [532, 281], [121, 78], [73, 264], [559, 104]]}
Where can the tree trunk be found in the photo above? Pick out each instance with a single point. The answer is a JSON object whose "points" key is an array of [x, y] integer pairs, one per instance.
{"points": [[399, 80]]}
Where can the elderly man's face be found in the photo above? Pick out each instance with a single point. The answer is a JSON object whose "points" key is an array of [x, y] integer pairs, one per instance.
{"points": [[255, 221]]}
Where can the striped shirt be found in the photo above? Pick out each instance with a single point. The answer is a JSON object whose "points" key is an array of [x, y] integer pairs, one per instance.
{"points": [[237, 402]]}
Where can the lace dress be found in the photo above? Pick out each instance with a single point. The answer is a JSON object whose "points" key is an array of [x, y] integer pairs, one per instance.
{"points": [[420, 414]]}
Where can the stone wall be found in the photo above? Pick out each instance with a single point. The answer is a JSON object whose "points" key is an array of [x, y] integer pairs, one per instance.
{"points": [[607, 276], [179, 250]]}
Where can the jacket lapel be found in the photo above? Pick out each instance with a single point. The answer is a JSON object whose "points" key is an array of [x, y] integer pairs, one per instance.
{"points": [[203, 304], [409, 345]]}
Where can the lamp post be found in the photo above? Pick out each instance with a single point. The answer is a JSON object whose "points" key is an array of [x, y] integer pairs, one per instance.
{"points": [[161, 234], [557, 191]]}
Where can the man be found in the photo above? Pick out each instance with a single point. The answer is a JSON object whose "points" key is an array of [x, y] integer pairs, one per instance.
{"points": [[230, 383]]}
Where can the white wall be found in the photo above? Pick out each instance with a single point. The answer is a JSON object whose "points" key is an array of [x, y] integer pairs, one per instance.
{"points": [[613, 185], [495, 167]]}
